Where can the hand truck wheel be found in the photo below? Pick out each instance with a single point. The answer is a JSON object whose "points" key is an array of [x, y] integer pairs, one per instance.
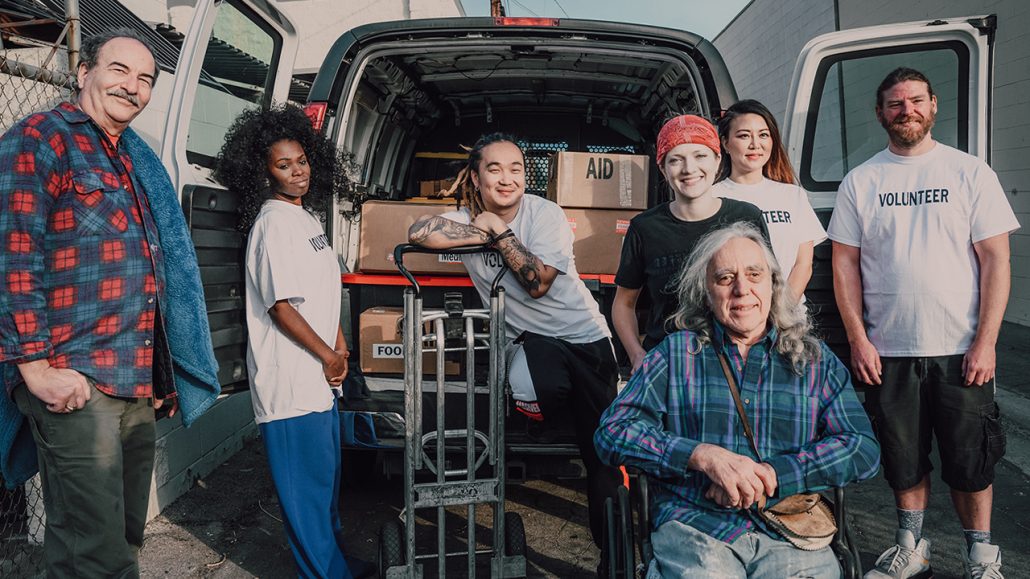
{"points": [[391, 547], [514, 535]]}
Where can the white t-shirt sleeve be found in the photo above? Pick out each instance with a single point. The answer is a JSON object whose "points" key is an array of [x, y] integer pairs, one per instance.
{"points": [[459, 215], [991, 213], [809, 227], [551, 238], [846, 223], [274, 269]]}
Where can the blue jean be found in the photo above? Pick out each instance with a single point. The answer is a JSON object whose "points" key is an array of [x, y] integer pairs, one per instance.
{"points": [[304, 457], [681, 551]]}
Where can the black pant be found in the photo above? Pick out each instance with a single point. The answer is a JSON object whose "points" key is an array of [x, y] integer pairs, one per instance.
{"points": [[581, 379], [96, 465]]}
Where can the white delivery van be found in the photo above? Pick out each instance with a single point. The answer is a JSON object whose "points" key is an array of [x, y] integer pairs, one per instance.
{"points": [[401, 97]]}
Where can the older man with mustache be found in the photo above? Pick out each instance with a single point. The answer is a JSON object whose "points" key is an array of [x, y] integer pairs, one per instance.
{"points": [[85, 349], [916, 212]]}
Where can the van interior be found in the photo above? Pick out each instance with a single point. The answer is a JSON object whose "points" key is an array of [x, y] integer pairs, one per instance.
{"points": [[403, 98], [427, 91]]}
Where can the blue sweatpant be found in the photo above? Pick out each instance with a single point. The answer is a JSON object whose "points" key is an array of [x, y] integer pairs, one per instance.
{"points": [[304, 457]]}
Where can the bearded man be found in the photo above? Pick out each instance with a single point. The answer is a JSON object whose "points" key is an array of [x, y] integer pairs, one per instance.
{"points": [[921, 274]]}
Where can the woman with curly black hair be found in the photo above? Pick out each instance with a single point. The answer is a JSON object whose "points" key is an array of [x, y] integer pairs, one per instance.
{"points": [[285, 173]]}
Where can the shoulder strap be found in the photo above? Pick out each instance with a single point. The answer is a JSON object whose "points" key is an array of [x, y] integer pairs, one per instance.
{"points": [[736, 400]]}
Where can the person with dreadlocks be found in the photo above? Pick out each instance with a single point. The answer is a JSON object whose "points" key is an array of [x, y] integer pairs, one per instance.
{"points": [[284, 173], [559, 344]]}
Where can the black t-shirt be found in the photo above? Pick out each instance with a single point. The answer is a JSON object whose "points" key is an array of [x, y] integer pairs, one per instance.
{"points": [[657, 243]]}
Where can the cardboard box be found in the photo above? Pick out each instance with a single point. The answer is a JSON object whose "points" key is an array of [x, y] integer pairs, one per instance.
{"points": [[384, 225], [381, 348], [435, 187], [598, 181], [599, 236]]}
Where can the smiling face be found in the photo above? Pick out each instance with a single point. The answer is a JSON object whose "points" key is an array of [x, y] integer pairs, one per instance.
{"points": [[117, 88], [907, 112], [740, 289], [501, 177], [288, 170], [748, 144], [690, 170]]}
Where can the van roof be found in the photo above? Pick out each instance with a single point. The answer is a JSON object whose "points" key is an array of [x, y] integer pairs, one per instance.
{"points": [[606, 63]]}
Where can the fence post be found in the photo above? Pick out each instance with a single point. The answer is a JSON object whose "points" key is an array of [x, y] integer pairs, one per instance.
{"points": [[71, 16]]}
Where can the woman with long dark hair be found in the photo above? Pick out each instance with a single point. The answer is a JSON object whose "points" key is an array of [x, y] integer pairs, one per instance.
{"points": [[756, 169], [284, 174]]}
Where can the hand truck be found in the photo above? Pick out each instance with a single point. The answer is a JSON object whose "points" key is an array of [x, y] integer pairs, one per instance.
{"points": [[397, 557]]}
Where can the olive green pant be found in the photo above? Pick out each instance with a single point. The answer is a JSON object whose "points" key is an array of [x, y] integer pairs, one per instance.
{"points": [[96, 465]]}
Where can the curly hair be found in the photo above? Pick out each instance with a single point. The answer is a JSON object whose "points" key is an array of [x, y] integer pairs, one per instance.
{"points": [[241, 164], [795, 339]]}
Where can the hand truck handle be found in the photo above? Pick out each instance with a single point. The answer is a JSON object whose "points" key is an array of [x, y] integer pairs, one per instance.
{"points": [[401, 249]]}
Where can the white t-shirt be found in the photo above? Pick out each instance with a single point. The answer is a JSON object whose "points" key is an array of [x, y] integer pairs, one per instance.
{"points": [[916, 220], [289, 258], [787, 213], [567, 311]]}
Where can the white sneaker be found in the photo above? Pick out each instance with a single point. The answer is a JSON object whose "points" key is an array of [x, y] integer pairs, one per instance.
{"points": [[983, 561], [906, 560]]}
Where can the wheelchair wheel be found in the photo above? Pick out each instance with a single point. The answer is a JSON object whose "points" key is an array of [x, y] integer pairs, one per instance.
{"points": [[618, 552]]}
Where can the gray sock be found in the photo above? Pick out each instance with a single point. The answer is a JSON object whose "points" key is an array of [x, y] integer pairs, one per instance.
{"points": [[911, 521], [973, 536]]}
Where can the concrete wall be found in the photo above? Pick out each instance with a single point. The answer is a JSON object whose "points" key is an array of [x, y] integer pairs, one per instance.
{"points": [[762, 43], [761, 47]]}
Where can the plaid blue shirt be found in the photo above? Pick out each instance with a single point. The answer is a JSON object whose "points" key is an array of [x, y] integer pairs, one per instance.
{"points": [[80, 261], [810, 428]]}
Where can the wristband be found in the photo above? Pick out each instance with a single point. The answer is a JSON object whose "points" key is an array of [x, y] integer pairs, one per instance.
{"points": [[503, 235]]}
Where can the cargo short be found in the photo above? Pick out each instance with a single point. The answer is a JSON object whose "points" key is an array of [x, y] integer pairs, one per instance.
{"points": [[925, 397]]}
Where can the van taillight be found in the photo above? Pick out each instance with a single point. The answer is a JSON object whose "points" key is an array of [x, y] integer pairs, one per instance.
{"points": [[316, 112], [524, 21]]}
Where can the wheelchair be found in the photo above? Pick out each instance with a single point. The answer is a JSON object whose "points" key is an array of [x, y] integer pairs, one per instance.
{"points": [[626, 549]]}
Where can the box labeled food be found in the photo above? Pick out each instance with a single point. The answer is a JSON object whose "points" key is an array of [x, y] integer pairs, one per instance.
{"points": [[384, 225], [381, 349], [599, 234], [598, 181]]}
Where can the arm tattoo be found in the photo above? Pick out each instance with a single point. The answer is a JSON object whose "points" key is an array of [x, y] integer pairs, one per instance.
{"points": [[526, 266], [450, 230]]}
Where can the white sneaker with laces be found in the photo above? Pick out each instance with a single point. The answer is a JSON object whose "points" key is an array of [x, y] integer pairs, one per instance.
{"points": [[983, 561], [905, 560]]}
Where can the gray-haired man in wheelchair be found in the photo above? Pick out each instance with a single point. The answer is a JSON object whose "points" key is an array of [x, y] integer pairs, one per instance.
{"points": [[678, 422]]}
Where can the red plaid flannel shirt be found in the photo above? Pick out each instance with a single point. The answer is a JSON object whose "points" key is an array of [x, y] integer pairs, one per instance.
{"points": [[80, 261]]}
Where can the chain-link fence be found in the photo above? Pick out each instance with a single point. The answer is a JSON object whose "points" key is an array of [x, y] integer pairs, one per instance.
{"points": [[31, 80]]}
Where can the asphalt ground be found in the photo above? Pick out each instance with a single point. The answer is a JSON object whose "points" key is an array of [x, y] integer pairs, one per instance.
{"points": [[228, 525]]}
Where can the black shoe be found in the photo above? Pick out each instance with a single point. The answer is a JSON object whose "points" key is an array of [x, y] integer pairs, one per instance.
{"points": [[538, 433], [360, 568]]}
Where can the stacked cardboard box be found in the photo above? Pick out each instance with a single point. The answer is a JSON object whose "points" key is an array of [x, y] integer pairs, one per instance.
{"points": [[384, 225], [599, 235], [381, 347], [435, 187], [600, 193]]}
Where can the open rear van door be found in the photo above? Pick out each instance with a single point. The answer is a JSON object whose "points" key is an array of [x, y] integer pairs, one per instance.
{"points": [[236, 55], [831, 127]]}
